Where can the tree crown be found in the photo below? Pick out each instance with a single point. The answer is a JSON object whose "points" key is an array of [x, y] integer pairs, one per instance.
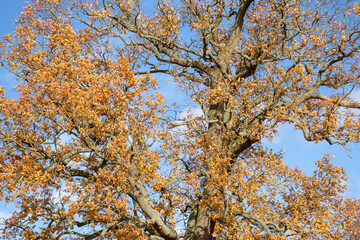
{"points": [[90, 150]]}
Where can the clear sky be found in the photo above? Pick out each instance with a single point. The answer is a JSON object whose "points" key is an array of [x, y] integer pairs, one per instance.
{"points": [[298, 152]]}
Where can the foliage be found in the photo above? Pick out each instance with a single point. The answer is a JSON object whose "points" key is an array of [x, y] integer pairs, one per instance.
{"points": [[90, 150]]}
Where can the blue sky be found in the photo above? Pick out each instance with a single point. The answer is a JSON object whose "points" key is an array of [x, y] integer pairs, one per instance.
{"points": [[298, 152], [8, 14]]}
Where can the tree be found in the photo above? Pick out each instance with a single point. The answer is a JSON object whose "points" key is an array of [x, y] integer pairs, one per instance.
{"points": [[90, 150]]}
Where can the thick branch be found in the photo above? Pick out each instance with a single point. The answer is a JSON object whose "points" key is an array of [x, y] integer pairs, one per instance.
{"points": [[142, 197]]}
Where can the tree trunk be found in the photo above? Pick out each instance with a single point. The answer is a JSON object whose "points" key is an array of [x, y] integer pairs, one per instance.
{"points": [[200, 224]]}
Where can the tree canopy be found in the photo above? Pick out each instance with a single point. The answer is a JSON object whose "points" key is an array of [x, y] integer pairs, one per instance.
{"points": [[91, 150]]}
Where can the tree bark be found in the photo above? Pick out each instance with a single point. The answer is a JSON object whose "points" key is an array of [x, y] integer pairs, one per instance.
{"points": [[200, 224]]}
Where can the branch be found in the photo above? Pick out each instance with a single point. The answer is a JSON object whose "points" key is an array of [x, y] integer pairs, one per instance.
{"points": [[234, 38], [342, 103], [263, 224], [140, 194], [184, 122]]}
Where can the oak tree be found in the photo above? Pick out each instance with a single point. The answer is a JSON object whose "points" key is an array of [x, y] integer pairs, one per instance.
{"points": [[90, 149]]}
